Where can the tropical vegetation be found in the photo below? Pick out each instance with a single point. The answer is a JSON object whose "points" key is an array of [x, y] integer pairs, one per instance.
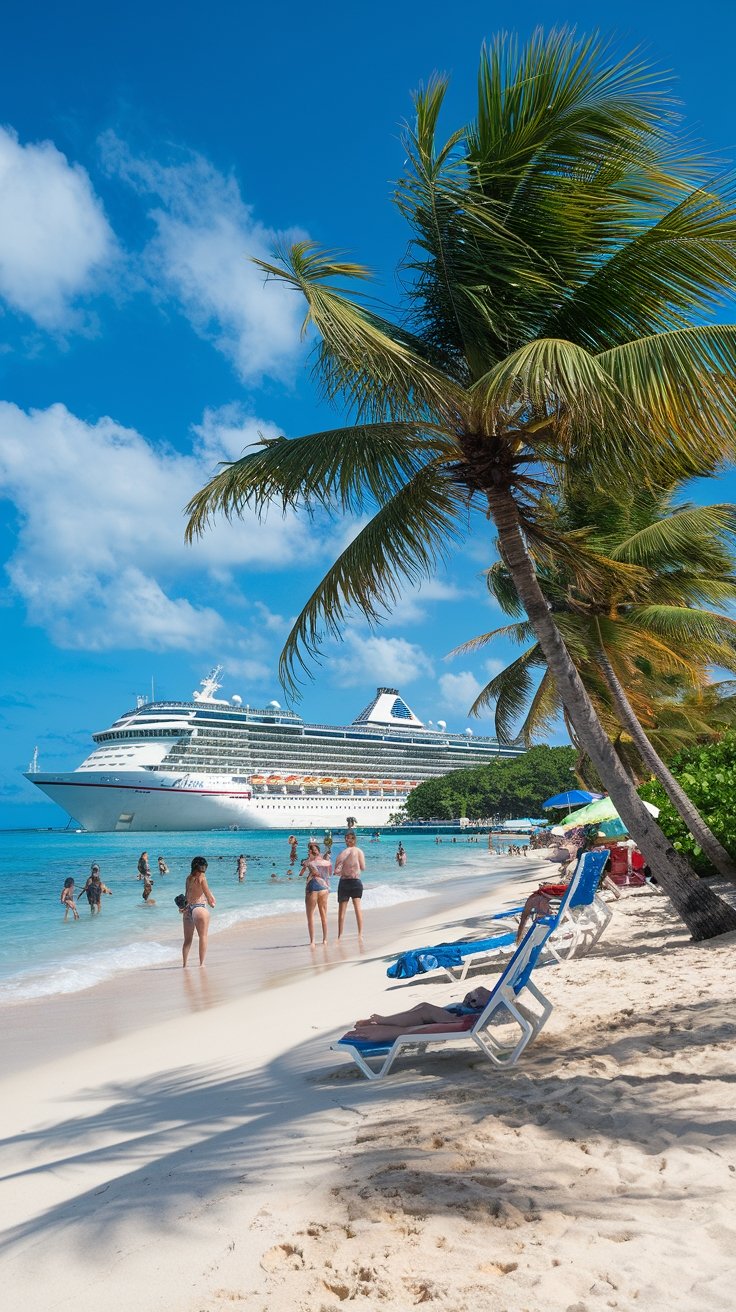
{"points": [[708, 774], [504, 789], [566, 246], [637, 636]]}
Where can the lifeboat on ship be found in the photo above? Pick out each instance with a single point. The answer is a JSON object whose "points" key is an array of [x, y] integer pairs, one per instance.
{"points": [[413, 783], [327, 783], [310, 779], [274, 779], [292, 779], [344, 783], [358, 783], [257, 779], [389, 783], [373, 784], [401, 783]]}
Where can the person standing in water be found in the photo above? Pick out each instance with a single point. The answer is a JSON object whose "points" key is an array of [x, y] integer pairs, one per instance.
{"points": [[144, 869], [163, 869], [241, 868], [195, 912], [94, 888], [293, 849], [350, 865], [67, 899], [401, 854]]}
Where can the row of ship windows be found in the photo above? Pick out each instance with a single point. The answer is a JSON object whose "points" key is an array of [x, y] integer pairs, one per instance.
{"points": [[274, 756], [137, 733]]}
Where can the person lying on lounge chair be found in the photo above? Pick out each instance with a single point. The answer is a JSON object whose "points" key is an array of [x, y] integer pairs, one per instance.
{"points": [[426, 1015]]}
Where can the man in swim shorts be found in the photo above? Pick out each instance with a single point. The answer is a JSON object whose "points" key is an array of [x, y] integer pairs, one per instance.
{"points": [[349, 865]]}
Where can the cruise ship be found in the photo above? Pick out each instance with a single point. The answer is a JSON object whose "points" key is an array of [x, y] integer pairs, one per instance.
{"points": [[216, 764]]}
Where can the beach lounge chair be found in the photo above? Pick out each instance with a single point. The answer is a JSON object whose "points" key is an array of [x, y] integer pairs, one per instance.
{"points": [[582, 914], [577, 924], [515, 1001]]}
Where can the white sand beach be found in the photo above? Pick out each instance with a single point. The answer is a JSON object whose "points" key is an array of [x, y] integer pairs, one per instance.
{"points": [[215, 1154]]}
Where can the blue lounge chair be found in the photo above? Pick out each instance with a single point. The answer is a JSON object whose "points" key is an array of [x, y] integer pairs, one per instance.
{"points": [[577, 924], [582, 914], [514, 1000]]}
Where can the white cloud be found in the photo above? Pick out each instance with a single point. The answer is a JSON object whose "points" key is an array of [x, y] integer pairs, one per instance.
{"points": [[100, 559], [54, 237], [412, 608], [130, 609], [459, 691], [200, 256], [373, 659]]}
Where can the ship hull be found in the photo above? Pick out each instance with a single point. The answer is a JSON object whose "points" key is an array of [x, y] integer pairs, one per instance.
{"points": [[177, 805]]}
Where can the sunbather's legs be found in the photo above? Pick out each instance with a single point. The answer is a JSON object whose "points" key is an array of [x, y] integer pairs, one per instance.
{"points": [[425, 1013]]}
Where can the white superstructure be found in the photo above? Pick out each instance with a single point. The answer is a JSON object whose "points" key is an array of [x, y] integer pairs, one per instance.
{"points": [[214, 764]]}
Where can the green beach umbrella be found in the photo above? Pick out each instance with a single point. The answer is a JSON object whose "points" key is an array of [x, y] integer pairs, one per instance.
{"points": [[596, 813]]}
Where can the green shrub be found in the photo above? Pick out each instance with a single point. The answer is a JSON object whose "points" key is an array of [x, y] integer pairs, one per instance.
{"points": [[708, 775]]}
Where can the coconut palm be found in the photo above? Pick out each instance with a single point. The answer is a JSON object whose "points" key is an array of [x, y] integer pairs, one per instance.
{"points": [[634, 634], [564, 247]]}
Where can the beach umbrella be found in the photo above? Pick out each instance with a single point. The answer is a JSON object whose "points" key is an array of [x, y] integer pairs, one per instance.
{"points": [[598, 812], [575, 797]]}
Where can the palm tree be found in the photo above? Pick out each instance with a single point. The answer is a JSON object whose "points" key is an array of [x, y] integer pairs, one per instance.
{"points": [[563, 244], [629, 637]]}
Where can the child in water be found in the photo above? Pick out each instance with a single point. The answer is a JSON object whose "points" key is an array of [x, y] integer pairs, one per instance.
{"points": [[67, 899]]}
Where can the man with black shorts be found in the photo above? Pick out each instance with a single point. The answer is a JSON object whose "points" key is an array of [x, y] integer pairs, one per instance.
{"points": [[349, 866]]}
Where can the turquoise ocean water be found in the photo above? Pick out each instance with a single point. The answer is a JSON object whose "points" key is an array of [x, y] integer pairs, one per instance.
{"points": [[41, 955]]}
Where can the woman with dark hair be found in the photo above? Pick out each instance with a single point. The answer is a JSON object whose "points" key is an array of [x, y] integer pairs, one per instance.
{"points": [[67, 899], [317, 869], [195, 911]]}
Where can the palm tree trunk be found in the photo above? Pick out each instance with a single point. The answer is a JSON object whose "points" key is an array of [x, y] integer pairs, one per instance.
{"points": [[705, 914], [688, 813]]}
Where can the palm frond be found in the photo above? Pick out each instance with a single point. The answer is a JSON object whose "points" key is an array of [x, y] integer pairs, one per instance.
{"points": [[510, 690], [501, 586], [373, 364], [403, 542], [678, 536], [685, 382], [345, 469], [517, 633], [679, 266], [544, 711]]}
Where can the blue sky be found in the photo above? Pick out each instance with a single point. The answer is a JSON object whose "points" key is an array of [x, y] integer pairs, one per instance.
{"points": [[145, 152]]}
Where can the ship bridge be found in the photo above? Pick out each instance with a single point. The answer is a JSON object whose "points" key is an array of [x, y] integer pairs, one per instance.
{"points": [[388, 708]]}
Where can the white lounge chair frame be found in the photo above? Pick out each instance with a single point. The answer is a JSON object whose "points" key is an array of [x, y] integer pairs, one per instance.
{"points": [[515, 999], [576, 929]]}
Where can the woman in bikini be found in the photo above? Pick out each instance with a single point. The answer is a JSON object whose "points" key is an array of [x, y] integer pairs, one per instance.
{"points": [[317, 869], [459, 1016], [195, 913], [67, 899]]}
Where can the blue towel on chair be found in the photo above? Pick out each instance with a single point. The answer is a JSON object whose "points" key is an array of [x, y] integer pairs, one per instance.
{"points": [[422, 960]]}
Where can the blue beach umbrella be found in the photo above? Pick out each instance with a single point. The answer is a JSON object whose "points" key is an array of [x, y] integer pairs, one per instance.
{"points": [[575, 797]]}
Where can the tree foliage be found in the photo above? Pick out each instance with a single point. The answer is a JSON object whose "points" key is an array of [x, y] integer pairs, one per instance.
{"points": [[503, 789], [708, 775]]}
